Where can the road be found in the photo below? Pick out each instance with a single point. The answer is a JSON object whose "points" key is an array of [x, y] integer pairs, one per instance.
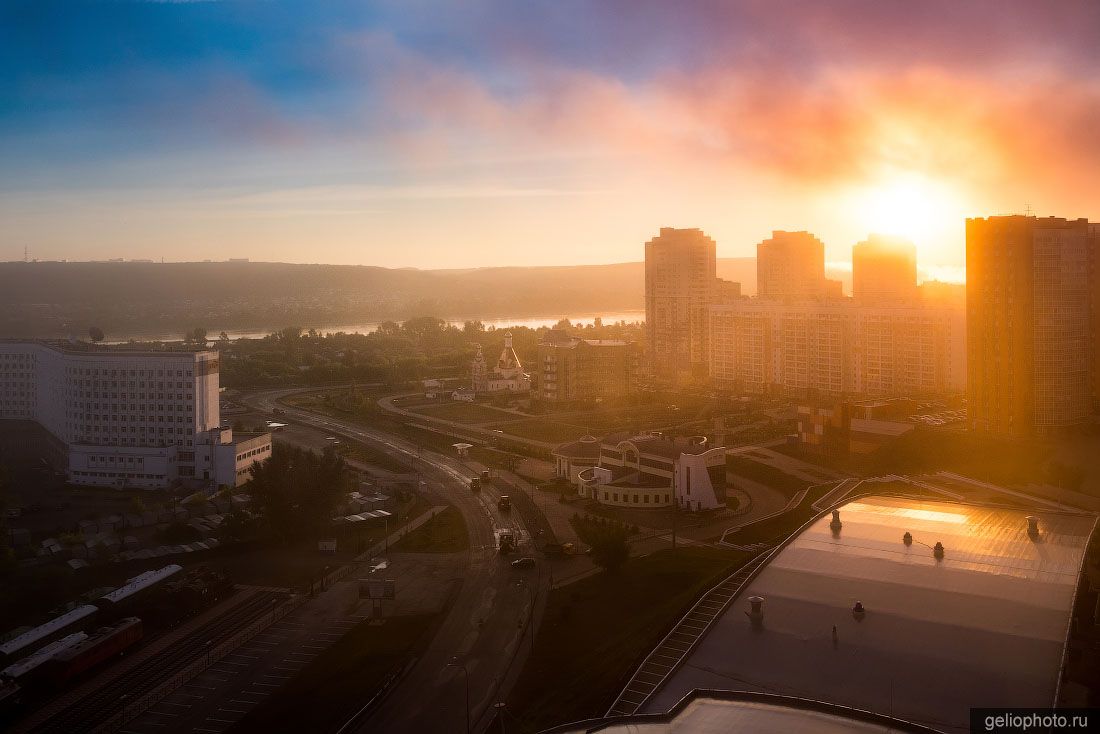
{"points": [[487, 629]]}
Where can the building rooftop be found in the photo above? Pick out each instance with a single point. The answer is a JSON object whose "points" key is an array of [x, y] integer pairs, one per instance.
{"points": [[746, 713], [140, 349], [985, 625]]}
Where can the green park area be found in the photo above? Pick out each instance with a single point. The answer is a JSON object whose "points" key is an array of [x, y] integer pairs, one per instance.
{"points": [[468, 413], [596, 631], [445, 532]]}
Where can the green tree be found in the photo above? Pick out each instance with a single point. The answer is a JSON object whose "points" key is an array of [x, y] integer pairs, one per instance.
{"points": [[609, 541], [295, 492], [95, 334]]}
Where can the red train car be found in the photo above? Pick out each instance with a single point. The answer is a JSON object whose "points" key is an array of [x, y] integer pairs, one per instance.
{"points": [[104, 644]]}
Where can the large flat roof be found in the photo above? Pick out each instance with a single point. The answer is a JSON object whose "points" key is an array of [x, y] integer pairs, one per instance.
{"points": [[984, 626]]}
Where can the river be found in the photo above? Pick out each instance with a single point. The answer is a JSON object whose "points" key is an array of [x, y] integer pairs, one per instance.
{"points": [[531, 322]]}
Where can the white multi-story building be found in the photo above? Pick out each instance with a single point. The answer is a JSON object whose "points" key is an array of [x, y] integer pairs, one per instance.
{"points": [[837, 348], [124, 418]]}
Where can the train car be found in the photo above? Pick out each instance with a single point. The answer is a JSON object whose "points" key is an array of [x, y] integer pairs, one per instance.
{"points": [[135, 592], [104, 644], [31, 640], [30, 668]]}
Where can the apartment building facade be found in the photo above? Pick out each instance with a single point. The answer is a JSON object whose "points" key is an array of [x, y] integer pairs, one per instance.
{"points": [[575, 370], [680, 288], [837, 348], [123, 418], [1032, 323], [884, 270]]}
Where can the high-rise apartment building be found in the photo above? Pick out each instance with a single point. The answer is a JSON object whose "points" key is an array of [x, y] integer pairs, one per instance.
{"points": [[680, 286], [575, 370], [1029, 294], [125, 418], [791, 265], [838, 348], [884, 269]]}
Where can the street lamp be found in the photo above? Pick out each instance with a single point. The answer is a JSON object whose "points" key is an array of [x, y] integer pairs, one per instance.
{"points": [[501, 707], [466, 675]]}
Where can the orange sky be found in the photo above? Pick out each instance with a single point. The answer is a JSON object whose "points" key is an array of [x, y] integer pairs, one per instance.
{"points": [[486, 134]]}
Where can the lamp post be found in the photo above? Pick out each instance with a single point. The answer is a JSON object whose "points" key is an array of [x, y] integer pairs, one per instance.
{"points": [[466, 676], [501, 707]]}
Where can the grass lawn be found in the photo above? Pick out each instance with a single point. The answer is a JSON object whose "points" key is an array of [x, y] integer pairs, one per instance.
{"points": [[465, 413], [444, 533], [541, 429], [373, 456], [335, 685], [597, 630], [766, 474]]}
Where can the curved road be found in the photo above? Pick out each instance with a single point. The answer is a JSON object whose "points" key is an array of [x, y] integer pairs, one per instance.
{"points": [[486, 628]]}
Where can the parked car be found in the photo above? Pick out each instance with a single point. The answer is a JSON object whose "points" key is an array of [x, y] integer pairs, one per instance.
{"points": [[523, 563]]}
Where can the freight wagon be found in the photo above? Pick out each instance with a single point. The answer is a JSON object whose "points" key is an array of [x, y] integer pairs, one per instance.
{"points": [[104, 644]]}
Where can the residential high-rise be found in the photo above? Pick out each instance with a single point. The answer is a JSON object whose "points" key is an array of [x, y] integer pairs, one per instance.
{"points": [[680, 285], [1029, 323], [884, 269], [791, 265]]}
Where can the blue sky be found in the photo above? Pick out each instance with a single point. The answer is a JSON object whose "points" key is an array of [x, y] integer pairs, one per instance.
{"points": [[480, 133]]}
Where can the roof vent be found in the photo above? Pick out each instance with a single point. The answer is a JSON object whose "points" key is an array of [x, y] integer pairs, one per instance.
{"points": [[937, 551], [756, 610], [907, 538], [835, 525], [1033, 526]]}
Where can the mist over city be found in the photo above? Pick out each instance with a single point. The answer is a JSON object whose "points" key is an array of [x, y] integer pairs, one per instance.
{"points": [[429, 367]]}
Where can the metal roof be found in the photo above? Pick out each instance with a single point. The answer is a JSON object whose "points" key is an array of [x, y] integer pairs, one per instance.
{"points": [[141, 582], [985, 625], [714, 712], [32, 661], [32, 636]]}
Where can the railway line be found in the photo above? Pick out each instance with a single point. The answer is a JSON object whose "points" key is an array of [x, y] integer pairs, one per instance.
{"points": [[91, 711]]}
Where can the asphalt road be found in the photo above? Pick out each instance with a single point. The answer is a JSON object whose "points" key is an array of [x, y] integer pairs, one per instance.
{"points": [[487, 629]]}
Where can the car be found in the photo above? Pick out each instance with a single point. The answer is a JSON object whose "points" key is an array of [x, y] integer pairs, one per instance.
{"points": [[523, 563]]}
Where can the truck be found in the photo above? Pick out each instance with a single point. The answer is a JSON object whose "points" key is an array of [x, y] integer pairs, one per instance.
{"points": [[505, 503], [485, 476], [506, 542], [475, 485]]}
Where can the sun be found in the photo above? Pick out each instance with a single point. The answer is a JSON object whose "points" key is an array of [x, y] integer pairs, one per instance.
{"points": [[921, 209]]}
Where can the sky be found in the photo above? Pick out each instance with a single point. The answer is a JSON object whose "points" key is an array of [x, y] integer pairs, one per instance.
{"points": [[448, 134]]}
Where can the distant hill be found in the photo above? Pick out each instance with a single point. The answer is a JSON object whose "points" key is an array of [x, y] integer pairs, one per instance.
{"points": [[58, 299]]}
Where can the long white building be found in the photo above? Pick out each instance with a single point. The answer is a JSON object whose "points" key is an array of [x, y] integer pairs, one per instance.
{"points": [[124, 418], [838, 348]]}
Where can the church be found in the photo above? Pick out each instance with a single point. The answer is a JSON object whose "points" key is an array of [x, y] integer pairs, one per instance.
{"points": [[506, 375]]}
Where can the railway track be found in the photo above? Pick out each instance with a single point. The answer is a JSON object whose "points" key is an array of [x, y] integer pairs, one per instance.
{"points": [[103, 703]]}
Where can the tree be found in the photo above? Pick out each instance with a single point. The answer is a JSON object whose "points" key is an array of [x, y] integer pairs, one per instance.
{"points": [[609, 541], [196, 335], [295, 492], [95, 334]]}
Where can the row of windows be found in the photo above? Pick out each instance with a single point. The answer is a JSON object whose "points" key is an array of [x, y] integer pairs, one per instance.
{"points": [[633, 498]]}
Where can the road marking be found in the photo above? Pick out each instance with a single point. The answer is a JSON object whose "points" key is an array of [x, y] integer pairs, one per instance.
{"points": [[196, 685], [171, 703], [268, 685], [228, 662], [283, 667], [162, 713], [221, 721]]}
